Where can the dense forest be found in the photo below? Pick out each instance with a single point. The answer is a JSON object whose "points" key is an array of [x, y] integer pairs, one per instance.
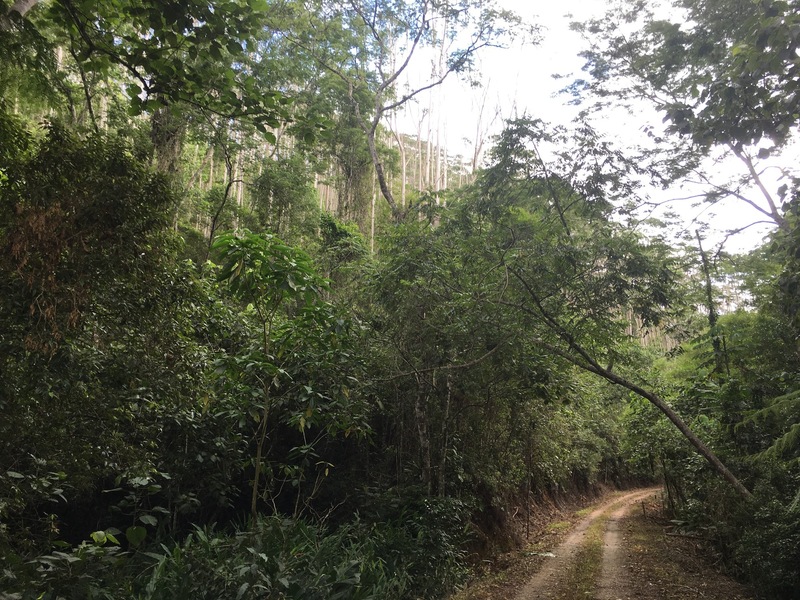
{"points": [[257, 341]]}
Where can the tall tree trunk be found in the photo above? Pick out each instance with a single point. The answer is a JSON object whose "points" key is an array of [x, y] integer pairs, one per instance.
{"points": [[403, 162], [381, 174], [229, 182], [167, 132], [445, 161], [428, 170], [197, 176], [421, 417], [720, 359], [20, 8], [420, 182]]}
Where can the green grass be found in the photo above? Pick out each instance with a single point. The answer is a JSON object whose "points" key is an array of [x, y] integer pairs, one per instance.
{"points": [[584, 572], [559, 526]]}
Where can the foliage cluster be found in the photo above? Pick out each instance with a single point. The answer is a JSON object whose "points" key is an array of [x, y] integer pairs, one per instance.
{"points": [[722, 74], [746, 406], [166, 394]]}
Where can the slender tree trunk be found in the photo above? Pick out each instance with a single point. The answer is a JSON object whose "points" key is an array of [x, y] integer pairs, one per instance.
{"points": [[428, 170], [167, 133], [420, 181], [87, 92], [592, 366], [372, 216], [445, 434], [445, 161], [198, 174], [229, 181], [580, 357], [211, 170], [477, 147], [381, 174], [424, 437], [440, 68], [716, 342], [403, 162], [261, 433], [701, 448]]}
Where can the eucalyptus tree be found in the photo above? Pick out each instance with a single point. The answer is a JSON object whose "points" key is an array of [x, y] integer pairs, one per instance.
{"points": [[16, 11], [174, 62], [371, 45], [172, 52]]}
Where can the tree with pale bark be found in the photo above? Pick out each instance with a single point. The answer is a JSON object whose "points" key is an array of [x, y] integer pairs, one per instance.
{"points": [[378, 42]]}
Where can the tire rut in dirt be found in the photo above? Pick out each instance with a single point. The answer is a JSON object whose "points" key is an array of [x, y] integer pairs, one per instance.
{"points": [[549, 582]]}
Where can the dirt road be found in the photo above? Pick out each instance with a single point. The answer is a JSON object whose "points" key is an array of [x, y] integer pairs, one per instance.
{"points": [[621, 549], [553, 580]]}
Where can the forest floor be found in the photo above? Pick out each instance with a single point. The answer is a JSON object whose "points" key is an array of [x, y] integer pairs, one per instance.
{"points": [[620, 549]]}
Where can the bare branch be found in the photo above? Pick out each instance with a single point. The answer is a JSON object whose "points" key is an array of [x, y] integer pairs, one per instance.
{"points": [[745, 158], [738, 196], [465, 365]]}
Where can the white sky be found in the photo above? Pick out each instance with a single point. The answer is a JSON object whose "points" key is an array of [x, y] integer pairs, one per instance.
{"points": [[519, 80]]}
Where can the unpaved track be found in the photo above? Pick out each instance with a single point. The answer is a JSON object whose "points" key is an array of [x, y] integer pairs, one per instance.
{"points": [[613, 583], [546, 584]]}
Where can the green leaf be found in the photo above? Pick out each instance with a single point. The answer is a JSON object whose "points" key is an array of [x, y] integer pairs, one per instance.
{"points": [[149, 520], [15, 475], [242, 590], [99, 537], [215, 51], [739, 48], [135, 535], [234, 47]]}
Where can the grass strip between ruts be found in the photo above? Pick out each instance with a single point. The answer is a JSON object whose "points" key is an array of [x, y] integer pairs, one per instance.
{"points": [[581, 578]]}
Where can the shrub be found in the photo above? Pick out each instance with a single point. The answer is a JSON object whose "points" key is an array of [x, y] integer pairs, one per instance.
{"points": [[278, 558]]}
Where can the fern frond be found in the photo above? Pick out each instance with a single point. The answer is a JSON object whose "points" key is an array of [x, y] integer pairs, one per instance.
{"points": [[781, 407], [784, 445], [785, 410]]}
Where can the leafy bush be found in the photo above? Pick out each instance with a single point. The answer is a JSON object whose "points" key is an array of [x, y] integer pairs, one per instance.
{"points": [[93, 570], [424, 537], [278, 558], [769, 549]]}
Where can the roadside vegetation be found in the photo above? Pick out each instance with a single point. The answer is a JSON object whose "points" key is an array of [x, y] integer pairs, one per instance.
{"points": [[246, 352]]}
